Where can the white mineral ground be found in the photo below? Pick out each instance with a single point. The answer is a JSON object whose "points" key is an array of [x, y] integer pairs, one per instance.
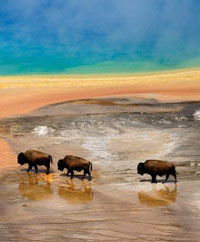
{"points": [[115, 133]]}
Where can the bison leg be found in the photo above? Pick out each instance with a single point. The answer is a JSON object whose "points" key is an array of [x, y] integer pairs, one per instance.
{"points": [[48, 166], [174, 175], [29, 167], [85, 172], [153, 178], [72, 174], [167, 176], [36, 169], [69, 172], [88, 171]]}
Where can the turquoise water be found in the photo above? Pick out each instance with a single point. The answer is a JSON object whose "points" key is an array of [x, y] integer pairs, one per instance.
{"points": [[92, 36], [18, 59], [41, 62]]}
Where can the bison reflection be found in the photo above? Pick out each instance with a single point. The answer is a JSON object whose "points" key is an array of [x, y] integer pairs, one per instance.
{"points": [[161, 197], [82, 194], [35, 187]]}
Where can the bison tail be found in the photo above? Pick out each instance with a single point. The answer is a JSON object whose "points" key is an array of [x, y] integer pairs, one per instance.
{"points": [[50, 159], [90, 166]]}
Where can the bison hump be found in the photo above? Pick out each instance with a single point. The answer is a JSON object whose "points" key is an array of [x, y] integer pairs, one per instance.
{"points": [[76, 159], [158, 165], [33, 155]]}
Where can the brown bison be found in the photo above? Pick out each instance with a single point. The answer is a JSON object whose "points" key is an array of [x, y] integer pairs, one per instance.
{"points": [[35, 158], [157, 168], [75, 163]]}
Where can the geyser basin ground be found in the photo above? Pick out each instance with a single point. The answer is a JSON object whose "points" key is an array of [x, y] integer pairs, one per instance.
{"points": [[115, 134]]}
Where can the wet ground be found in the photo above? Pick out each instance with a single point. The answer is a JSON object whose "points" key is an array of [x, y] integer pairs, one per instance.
{"points": [[117, 205]]}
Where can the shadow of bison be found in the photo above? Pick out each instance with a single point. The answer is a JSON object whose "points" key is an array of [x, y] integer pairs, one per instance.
{"points": [[161, 197], [73, 195], [35, 187]]}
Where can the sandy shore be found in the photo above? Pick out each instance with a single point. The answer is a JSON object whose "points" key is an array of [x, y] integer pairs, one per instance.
{"points": [[127, 125], [22, 94]]}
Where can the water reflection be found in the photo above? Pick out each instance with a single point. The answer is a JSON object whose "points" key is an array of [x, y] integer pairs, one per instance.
{"points": [[158, 196], [75, 195], [35, 186]]}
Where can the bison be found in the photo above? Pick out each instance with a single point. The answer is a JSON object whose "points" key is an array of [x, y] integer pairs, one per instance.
{"points": [[35, 158], [157, 167], [75, 163]]}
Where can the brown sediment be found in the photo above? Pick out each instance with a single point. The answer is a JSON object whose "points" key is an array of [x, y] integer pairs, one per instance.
{"points": [[7, 157]]}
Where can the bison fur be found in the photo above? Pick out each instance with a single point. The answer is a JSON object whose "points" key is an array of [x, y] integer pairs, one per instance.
{"points": [[35, 158], [75, 163], [157, 168]]}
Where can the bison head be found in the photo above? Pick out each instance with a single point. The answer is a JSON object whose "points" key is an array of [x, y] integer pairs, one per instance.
{"points": [[61, 165], [21, 158], [140, 168]]}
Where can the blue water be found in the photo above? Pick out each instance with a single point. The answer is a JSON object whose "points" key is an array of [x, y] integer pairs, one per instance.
{"points": [[91, 36], [51, 61]]}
